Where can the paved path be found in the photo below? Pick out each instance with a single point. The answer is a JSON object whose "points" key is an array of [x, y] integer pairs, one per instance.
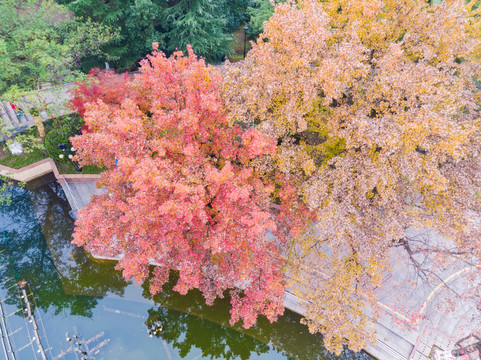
{"points": [[417, 312], [79, 191], [12, 121]]}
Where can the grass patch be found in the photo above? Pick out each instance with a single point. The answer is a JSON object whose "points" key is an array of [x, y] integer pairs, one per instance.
{"points": [[69, 168], [24, 159], [19, 161]]}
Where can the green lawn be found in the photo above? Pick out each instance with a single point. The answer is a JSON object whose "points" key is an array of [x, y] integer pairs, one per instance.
{"points": [[19, 161], [68, 168], [25, 159]]}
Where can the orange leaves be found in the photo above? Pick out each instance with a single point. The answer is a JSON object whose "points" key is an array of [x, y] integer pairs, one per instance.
{"points": [[111, 88], [191, 150], [372, 8], [376, 116], [267, 73], [182, 190], [306, 27], [256, 144], [217, 177]]}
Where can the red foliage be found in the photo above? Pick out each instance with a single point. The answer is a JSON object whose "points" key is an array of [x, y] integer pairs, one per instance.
{"points": [[184, 193], [106, 85]]}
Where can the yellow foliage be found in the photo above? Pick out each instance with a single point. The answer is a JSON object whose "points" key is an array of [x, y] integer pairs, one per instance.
{"points": [[376, 112]]}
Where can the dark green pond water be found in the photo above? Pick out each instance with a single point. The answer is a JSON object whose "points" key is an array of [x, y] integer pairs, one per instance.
{"points": [[104, 317]]}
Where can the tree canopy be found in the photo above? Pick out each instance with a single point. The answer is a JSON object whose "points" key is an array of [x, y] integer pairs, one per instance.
{"points": [[260, 12], [183, 192], [108, 86], [139, 22], [204, 24], [376, 109], [198, 23], [361, 115], [40, 43]]}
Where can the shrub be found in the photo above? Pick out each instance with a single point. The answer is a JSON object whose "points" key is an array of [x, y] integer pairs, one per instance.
{"points": [[34, 111], [68, 126]]}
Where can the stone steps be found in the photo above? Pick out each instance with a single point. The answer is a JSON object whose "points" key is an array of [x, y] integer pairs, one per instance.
{"points": [[5, 117], [14, 123]]}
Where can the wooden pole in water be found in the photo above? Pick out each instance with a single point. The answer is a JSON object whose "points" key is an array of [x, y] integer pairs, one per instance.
{"points": [[3, 340], [22, 285]]}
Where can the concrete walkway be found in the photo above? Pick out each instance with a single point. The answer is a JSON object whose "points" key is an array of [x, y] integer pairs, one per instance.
{"points": [[77, 187]]}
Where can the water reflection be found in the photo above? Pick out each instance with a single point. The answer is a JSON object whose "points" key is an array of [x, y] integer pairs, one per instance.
{"points": [[36, 231], [185, 332], [55, 269], [210, 331]]}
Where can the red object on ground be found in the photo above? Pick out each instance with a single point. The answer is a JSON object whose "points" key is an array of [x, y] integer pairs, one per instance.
{"points": [[14, 107]]}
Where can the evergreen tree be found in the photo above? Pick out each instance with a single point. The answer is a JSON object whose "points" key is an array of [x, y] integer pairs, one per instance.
{"points": [[235, 12], [199, 23], [139, 22], [205, 24], [260, 12]]}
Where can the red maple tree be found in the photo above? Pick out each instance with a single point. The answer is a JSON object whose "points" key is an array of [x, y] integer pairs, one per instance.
{"points": [[107, 85], [185, 190]]}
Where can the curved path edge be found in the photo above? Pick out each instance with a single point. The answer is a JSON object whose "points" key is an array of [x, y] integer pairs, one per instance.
{"points": [[41, 168]]}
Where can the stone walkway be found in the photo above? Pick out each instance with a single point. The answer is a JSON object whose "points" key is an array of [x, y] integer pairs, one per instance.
{"points": [[12, 121]]}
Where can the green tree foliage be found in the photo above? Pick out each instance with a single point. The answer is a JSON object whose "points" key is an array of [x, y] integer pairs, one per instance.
{"points": [[144, 25], [260, 12], [205, 24], [139, 22], [235, 12], [199, 23], [86, 38], [40, 43], [5, 185]]}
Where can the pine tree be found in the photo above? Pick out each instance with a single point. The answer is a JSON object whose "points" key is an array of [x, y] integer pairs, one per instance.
{"points": [[139, 22], [200, 24]]}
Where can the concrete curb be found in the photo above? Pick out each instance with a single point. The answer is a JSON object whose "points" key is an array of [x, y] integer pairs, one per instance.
{"points": [[41, 168]]}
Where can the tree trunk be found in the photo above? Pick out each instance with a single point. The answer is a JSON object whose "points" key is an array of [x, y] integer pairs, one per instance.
{"points": [[40, 127]]}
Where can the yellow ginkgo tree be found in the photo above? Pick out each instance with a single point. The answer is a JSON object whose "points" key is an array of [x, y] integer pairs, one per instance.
{"points": [[376, 108]]}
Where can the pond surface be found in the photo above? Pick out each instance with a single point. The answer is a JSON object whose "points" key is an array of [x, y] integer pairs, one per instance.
{"points": [[85, 310]]}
